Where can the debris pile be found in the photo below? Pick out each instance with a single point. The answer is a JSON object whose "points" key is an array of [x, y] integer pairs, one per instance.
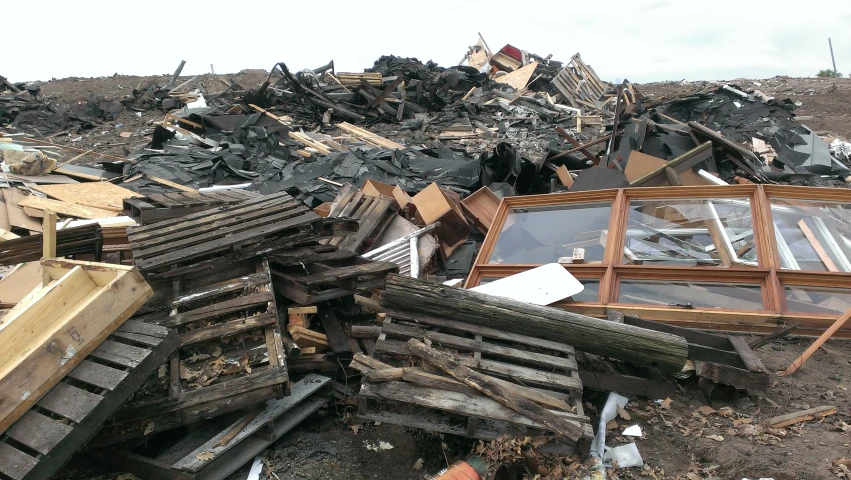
{"points": [[469, 250]]}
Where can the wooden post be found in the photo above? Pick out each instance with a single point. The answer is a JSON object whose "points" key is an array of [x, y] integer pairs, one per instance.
{"points": [[48, 232], [628, 343]]}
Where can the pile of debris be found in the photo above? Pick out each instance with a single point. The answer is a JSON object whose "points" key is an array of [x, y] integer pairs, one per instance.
{"points": [[270, 245]]}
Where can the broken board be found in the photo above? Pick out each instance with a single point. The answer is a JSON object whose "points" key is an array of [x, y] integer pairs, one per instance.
{"points": [[69, 415], [219, 447], [65, 209]]}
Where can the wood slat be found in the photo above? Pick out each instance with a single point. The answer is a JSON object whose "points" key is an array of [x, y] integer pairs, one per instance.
{"points": [[70, 402], [120, 354], [98, 375], [39, 432]]}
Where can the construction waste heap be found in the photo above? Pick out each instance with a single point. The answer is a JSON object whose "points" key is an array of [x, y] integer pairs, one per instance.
{"points": [[512, 256]]}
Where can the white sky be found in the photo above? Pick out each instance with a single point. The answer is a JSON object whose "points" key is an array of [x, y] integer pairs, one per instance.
{"points": [[642, 40]]}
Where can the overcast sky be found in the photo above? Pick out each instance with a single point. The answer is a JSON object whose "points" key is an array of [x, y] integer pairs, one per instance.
{"points": [[642, 40]]}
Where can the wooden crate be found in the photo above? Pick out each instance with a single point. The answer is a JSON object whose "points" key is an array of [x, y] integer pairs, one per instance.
{"points": [[221, 232], [60, 322], [166, 206], [199, 455], [230, 356], [541, 365], [38, 444]]}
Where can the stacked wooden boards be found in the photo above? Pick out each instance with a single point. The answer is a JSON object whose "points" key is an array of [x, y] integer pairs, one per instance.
{"points": [[58, 324], [82, 240]]}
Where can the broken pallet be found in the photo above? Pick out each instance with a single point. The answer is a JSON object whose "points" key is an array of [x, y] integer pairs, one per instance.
{"points": [[38, 444], [219, 447], [83, 240]]}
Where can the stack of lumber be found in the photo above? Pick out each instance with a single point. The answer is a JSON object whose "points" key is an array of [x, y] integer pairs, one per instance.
{"points": [[86, 239]]}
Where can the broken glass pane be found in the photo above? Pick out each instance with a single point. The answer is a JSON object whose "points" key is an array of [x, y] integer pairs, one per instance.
{"points": [[812, 235], [686, 232], [691, 294], [832, 301], [538, 235]]}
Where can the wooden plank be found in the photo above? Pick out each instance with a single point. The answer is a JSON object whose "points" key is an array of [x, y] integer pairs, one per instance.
{"points": [[70, 402], [120, 354], [505, 396], [103, 195], [781, 421], [16, 285], [39, 432], [796, 364], [334, 332], [15, 213], [820, 251], [751, 360], [98, 375], [66, 208], [48, 235], [228, 328], [15, 464], [518, 78]]}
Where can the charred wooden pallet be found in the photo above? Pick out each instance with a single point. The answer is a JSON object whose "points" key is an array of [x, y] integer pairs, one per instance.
{"points": [[83, 240], [166, 206], [220, 446], [222, 232], [373, 214], [38, 444], [444, 405], [231, 353], [327, 275]]}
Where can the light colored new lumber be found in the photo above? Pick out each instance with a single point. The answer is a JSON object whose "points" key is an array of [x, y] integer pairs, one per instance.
{"points": [[368, 137], [65, 208], [48, 234], [820, 251], [56, 326], [518, 78], [167, 183]]}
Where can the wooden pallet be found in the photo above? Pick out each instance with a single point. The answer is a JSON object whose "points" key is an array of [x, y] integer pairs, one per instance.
{"points": [[443, 405], [220, 232], [38, 444], [327, 275], [166, 206], [199, 455], [373, 214], [231, 353], [83, 240]]}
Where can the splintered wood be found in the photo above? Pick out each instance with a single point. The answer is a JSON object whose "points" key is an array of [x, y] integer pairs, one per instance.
{"points": [[372, 212], [230, 355], [498, 383]]}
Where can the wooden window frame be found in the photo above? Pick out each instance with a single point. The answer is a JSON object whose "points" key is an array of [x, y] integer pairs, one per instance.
{"points": [[768, 274]]}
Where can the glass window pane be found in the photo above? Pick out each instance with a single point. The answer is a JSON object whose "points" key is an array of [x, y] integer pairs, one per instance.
{"points": [[538, 235], [813, 235], [832, 301], [696, 294], [590, 294], [690, 232]]}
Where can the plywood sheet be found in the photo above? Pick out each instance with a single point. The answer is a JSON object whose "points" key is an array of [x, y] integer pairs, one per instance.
{"points": [[520, 77], [102, 195], [65, 208], [17, 217], [15, 286]]}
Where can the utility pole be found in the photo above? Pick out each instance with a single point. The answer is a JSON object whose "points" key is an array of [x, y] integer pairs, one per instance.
{"points": [[831, 55]]}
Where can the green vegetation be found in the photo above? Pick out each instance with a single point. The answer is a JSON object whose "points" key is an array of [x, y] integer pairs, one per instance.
{"points": [[828, 73]]}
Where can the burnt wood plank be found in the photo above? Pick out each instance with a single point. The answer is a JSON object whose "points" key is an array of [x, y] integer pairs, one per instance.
{"points": [[120, 353], [14, 463], [98, 375], [334, 331], [217, 309], [348, 272]]}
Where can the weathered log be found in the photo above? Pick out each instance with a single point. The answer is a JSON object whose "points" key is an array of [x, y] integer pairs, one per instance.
{"points": [[639, 346]]}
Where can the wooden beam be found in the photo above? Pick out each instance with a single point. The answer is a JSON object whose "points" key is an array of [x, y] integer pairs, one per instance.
{"points": [[781, 421], [796, 364], [48, 232], [820, 251], [167, 183]]}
